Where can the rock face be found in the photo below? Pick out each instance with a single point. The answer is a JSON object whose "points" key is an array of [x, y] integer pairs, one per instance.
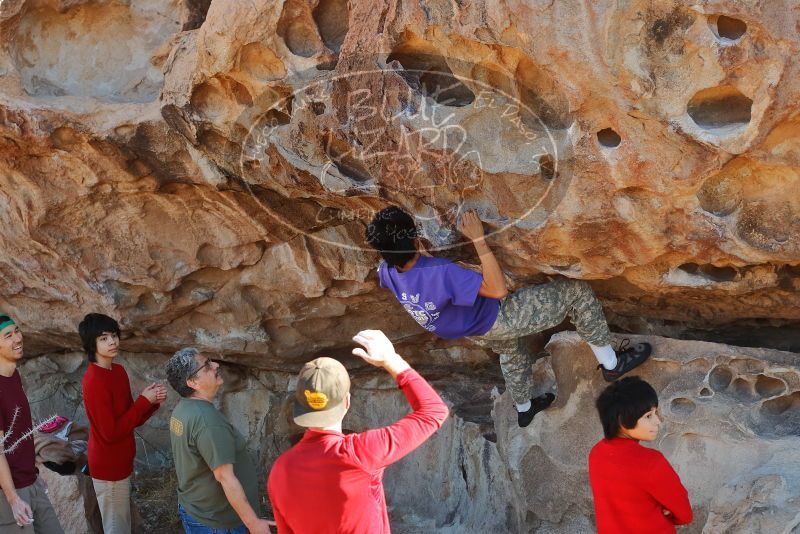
{"points": [[203, 171], [731, 430], [74, 501]]}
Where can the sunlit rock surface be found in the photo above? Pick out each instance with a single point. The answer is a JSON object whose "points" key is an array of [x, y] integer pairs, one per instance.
{"points": [[204, 170]]}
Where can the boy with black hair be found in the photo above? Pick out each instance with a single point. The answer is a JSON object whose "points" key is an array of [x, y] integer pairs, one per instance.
{"points": [[113, 417], [453, 302], [635, 488], [24, 505]]}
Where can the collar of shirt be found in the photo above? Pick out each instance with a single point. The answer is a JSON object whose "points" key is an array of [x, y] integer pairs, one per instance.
{"points": [[312, 434]]}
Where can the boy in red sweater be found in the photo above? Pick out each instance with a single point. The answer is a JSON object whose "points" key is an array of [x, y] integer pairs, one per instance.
{"points": [[635, 489], [113, 416]]}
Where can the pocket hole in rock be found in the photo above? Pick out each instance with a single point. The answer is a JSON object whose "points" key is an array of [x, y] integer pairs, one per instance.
{"points": [[788, 277], [682, 406], [299, 30], [274, 118], [196, 13], [720, 378], [781, 405], [343, 157], [332, 21], [547, 167], [432, 75], [727, 29], [608, 138], [780, 416], [767, 386], [719, 108], [712, 272], [742, 389], [544, 104]]}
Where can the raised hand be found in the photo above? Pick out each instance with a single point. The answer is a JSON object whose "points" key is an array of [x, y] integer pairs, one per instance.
{"points": [[377, 345], [379, 351], [470, 225]]}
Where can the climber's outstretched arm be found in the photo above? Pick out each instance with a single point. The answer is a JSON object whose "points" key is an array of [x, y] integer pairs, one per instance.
{"points": [[494, 285]]}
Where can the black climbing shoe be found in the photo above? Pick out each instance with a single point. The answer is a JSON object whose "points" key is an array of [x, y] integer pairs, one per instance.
{"points": [[628, 357], [537, 405]]}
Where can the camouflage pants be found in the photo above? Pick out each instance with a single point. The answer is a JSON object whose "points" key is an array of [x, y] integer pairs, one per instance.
{"points": [[535, 308]]}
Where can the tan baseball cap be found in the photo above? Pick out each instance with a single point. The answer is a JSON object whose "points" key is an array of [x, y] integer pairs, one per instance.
{"points": [[322, 387]]}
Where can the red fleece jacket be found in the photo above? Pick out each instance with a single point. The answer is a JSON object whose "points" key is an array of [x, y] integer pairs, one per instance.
{"points": [[332, 483], [113, 416], [632, 486]]}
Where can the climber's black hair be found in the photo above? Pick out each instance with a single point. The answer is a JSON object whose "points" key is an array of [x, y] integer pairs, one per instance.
{"points": [[393, 233]]}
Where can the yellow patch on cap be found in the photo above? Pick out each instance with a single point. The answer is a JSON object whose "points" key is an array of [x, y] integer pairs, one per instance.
{"points": [[175, 426], [316, 400]]}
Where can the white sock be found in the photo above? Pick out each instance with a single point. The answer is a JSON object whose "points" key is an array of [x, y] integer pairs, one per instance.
{"points": [[605, 356], [524, 407]]}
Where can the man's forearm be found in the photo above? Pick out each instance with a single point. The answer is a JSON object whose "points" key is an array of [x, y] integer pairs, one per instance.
{"points": [[6, 482], [396, 365], [492, 274], [238, 500]]}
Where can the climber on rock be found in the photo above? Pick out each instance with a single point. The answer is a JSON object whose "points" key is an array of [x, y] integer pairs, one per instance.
{"points": [[635, 489], [453, 302]]}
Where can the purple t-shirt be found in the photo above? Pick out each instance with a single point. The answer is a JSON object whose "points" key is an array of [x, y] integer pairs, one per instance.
{"points": [[442, 297]]}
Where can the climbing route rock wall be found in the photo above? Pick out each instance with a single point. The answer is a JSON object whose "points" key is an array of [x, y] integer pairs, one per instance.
{"points": [[204, 170], [196, 167], [731, 419]]}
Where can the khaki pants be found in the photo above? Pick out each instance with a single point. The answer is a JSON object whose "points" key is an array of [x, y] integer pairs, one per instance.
{"points": [[44, 517], [535, 308], [114, 501]]}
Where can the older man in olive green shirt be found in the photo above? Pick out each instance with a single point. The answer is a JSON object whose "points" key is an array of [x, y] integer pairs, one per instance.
{"points": [[217, 486]]}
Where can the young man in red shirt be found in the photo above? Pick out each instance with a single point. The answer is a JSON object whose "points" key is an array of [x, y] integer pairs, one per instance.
{"points": [[635, 489], [113, 417], [329, 482], [24, 505]]}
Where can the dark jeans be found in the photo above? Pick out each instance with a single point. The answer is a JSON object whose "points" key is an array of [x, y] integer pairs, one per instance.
{"points": [[193, 526]]}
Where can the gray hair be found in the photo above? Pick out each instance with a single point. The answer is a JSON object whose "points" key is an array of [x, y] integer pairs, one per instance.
{"points": [[182, 364]]}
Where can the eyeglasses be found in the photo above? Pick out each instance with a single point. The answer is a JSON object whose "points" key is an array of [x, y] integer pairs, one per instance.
{"points": [[207, 364]]}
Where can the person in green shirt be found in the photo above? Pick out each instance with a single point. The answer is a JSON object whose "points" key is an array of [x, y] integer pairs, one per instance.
{"points": [[217, 487]]}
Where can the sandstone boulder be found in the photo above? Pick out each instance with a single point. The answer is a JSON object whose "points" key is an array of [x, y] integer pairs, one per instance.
{"points": [[203, 171]]}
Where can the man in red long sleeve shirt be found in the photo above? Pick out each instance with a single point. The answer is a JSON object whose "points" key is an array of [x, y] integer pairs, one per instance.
{"points": [[113, 416], [332, 483], [635, 488]]}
